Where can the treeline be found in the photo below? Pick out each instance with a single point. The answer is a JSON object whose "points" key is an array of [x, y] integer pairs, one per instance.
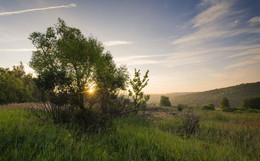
{"points": [[16, 86], [235, 95]]}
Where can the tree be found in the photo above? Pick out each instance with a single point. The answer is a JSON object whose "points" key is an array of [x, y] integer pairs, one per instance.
{"points": [[252, 102], [139, 98], [224, 103], [165, 101], [68, 64], [16, 86]]}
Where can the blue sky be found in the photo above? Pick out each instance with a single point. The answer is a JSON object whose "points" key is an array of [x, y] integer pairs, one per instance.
{"points": [[188, 45]]}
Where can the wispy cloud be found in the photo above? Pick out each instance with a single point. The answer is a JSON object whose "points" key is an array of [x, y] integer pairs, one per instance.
{"points": [[37, 9], [247, 52], [166, 60], [134, 57], [255, 20], [139, 59], [113, 43], [209, 24], [219, 23], [251, 60], [16, 50]]}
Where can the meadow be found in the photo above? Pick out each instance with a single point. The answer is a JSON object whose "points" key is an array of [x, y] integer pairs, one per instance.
{"points": [[220, 136]]}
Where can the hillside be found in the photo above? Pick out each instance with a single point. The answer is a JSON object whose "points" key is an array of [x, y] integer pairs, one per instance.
{"points": [[235, 95], [155, 98]]}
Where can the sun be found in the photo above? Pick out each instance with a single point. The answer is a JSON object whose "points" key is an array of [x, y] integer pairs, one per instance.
{"points": [[91, 91]]}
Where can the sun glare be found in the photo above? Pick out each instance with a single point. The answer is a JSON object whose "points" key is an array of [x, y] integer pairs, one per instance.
{"points": [[91, 91]]}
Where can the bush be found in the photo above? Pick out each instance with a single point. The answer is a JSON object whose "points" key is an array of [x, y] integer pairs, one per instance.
{"points": [[165, 101], [99, 116], [180, 107], [252, 111], [189, 124], [209, 107], [230, 109], [252, 102]]}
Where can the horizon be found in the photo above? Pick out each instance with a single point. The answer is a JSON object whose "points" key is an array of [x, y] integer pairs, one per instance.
{"points": [[188, 46]]}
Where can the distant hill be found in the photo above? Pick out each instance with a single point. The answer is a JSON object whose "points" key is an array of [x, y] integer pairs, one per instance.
{"points": [[235, 95]]}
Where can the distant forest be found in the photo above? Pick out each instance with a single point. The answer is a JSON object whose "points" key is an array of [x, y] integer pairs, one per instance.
{"points": [[235, 95]]}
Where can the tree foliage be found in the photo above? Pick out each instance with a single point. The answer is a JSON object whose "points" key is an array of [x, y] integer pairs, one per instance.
{"points": [[252, 102], [68, 64], [165, 101], [224, 103], [16, 86], [138, 84]]}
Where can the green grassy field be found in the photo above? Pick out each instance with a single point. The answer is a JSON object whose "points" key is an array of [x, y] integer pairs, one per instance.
{"points": [[222, 136]]}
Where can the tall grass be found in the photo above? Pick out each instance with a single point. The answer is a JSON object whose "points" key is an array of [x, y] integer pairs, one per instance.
{"points": [[22, 137]]}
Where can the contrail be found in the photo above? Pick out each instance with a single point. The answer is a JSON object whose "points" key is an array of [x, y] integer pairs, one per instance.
{"points": [[36, 9]]}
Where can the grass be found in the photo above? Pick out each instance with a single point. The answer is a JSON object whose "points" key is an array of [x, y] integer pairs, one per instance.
{"points": [[222, 137]]}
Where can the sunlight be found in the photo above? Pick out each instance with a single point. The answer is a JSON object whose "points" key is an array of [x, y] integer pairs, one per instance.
{"points": [[91, 91]]}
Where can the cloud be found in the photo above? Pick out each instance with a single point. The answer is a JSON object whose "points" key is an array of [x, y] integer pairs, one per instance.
{"points": [[165, 60], [213, 13], [245, 62], [36, 9], [255, 20], [250, 51], [16, 50], [216, 24], [140, 59], [237, 76], [218, 21], [209, 24], [113, 43]]}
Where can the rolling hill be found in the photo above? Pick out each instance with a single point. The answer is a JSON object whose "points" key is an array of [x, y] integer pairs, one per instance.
{"points": [[235, 95]]}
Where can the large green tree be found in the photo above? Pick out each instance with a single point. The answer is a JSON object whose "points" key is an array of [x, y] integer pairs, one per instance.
{"points": [[68, 64]]}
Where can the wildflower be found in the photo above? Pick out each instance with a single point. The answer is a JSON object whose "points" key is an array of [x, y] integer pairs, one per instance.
{"points": [[69, 135]]}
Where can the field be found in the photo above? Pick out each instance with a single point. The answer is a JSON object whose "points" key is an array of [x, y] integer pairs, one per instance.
{"points": [[146, 136]]}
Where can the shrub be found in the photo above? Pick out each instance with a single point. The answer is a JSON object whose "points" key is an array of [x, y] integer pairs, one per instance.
{"points": [[189, 124], [180, 107], [209, 107], [230, 109], [252, 102], [100, 115], [253, 111]]}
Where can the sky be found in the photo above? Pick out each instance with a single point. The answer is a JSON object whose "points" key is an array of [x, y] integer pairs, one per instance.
{"points": [[187, 45]]}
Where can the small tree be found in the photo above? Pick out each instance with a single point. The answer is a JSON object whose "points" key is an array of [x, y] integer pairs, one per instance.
{"points": [[252, 102], [180, 107], [224, 103], [165, 101], [139, 98]]}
